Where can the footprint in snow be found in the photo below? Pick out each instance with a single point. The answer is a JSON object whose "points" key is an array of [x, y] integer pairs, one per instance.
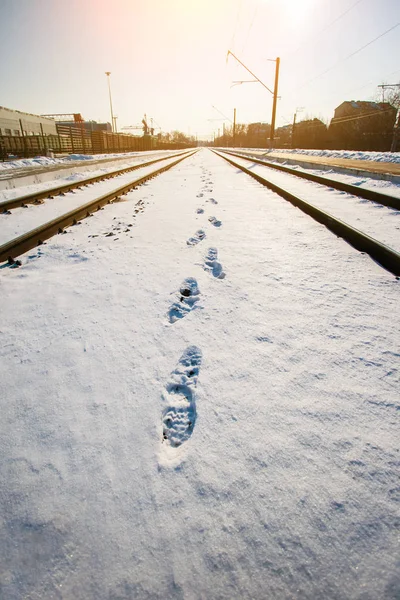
{"points": [[198, 236], [214, 221], [200, 211], [212, 265], [212, 200], [188, 296], [179, 414]]}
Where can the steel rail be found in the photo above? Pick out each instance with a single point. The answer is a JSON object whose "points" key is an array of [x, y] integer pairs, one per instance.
{"points": [[36, 237], [382, 254], [374, 196], [36, 197]]}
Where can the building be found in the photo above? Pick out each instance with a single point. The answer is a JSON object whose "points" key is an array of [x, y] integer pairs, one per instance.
{"points": [[17, 123], [310, 133], [362, 125], [283, 136], [257, 135]]}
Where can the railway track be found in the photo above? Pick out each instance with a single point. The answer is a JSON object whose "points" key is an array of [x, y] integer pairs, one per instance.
{"points": [[17, 246], [19, 173], [49, 193], [378, 251], [372, 195]]}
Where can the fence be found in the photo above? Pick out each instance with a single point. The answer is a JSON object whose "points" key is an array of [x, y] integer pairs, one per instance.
{"points": [[76, 140]]}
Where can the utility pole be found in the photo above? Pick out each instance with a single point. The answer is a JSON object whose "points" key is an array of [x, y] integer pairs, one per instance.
{"points": [[108, 73], [293, 126], [294, 123], [23, 138], [274, 93], [396, 133], [396, 128], [278, 61], [387, 85], [234, 127]]}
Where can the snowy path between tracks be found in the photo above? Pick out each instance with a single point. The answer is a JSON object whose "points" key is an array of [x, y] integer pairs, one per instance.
{"points": [[170, 433], [380, 222], [20, 220]]}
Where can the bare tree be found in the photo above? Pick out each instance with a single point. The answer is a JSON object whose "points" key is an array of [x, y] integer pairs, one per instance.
{"points": [[391, 95]]}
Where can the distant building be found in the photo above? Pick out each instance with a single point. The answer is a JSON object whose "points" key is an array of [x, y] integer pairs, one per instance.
{"points": [[311, 133], [361, 125], [283, 136], [14, 122], [87, 125], [258, 135]]}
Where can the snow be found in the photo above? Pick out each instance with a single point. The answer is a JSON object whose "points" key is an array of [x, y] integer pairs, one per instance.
{"points": [[376, 220], [374, 182], [389, 157], [285, 484], [380, 185], [23, 219], [71, 158], [45, 180]]}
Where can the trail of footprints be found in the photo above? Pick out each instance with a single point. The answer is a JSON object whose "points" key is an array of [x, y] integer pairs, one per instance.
{"points": [[179, 397]]}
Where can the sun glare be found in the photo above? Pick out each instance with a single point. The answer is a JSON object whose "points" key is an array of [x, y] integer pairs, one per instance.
{"points": [[294, 9]]}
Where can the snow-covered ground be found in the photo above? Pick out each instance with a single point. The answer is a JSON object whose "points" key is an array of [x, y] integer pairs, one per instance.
{"points": [[384, 185], [23, 219], [380, 185], [391, 157], [44, 161], [23, 180], [378, 221], [280, 379]]}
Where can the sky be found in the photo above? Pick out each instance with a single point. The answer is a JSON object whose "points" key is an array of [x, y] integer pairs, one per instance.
{"points": [[168, 58]]}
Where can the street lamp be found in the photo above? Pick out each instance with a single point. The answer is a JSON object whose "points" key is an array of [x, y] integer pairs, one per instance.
{"points": [[108, 73]]}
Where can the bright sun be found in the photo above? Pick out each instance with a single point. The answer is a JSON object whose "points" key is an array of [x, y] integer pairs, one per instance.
{"points": [[295, 8]]}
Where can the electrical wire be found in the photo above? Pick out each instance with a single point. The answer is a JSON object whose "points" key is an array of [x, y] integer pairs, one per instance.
{"points": [[346, 57], [342, 15], [328, 26], [237, 21], [371, 82], [249, 29]]}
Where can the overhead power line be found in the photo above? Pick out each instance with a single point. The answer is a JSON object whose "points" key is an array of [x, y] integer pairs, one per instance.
{"points": [[237, 22], [372, 82], [221, 113], [249, 29], [342, 15], [372, 41], [347, 57], [328, 26]]}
